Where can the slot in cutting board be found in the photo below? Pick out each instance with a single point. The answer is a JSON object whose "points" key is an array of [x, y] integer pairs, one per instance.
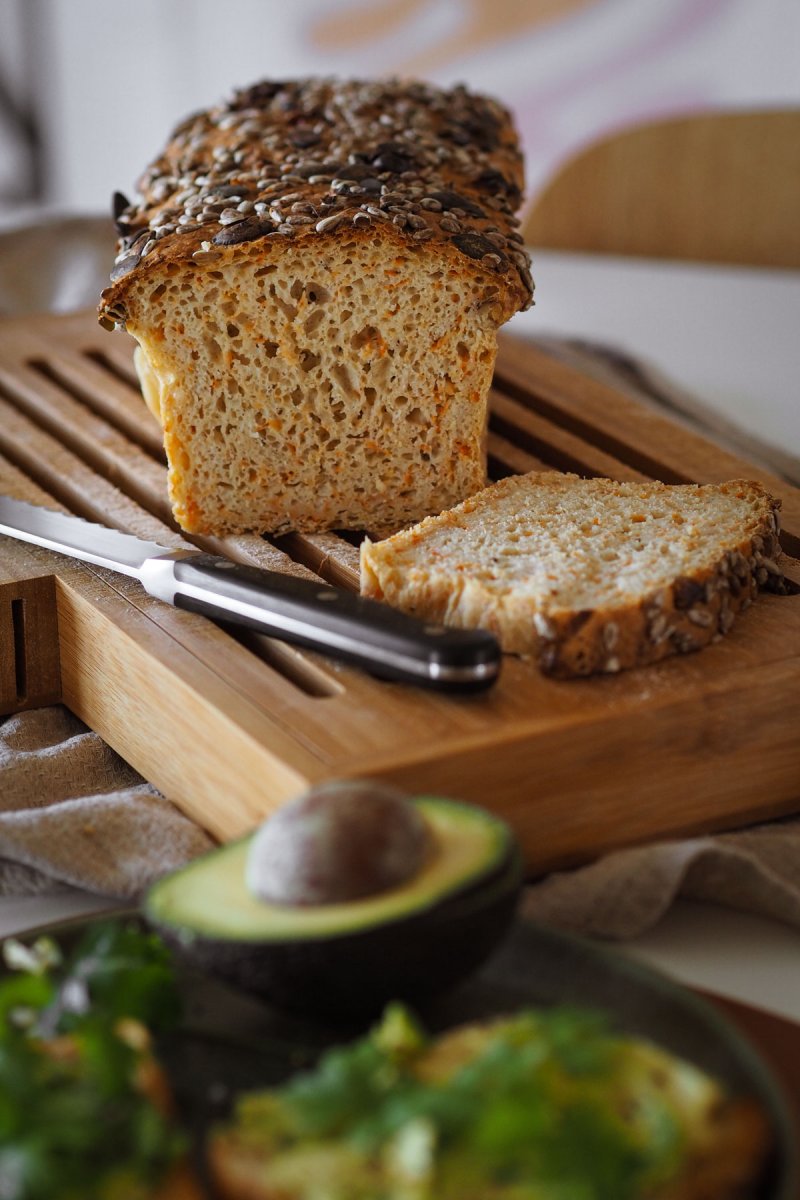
{"points": [[230, 726]]}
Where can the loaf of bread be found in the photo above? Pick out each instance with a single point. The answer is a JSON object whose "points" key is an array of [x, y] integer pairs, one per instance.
{"points": [[586, 575], [315, 272]]}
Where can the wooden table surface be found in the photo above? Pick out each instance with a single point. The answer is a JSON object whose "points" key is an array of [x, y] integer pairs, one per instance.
{"points": [[777, 1041]]}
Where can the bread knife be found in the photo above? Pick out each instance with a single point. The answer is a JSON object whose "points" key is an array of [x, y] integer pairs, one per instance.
{"points": [[381, 640]]}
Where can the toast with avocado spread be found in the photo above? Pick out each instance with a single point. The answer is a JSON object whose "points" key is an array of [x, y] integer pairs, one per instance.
{"points": [[543, 1105]]}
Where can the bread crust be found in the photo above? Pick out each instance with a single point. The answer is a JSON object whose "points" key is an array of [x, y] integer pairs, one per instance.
{"points": [[311, 159], [687, 613], [180, 1183], [727, 1169]]}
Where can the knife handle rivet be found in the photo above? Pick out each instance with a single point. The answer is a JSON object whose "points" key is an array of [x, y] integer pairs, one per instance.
{"points": [[328, 594], [434, 630], [222, 565]]}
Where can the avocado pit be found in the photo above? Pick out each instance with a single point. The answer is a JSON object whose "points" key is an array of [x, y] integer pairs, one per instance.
{"points": [[338, 842]]}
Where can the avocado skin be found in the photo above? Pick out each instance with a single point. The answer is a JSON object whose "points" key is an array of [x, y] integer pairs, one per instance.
{"points": [[356, 974]]}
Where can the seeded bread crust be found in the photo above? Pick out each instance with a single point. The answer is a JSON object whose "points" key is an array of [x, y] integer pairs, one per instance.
{"points": [[374, 154], [382, 210], [441, 570]]}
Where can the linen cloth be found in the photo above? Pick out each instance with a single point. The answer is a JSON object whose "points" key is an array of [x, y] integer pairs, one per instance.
{"points": [[74, 814]]}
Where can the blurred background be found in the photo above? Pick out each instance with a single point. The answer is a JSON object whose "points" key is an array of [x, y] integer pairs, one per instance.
{"points": [[89, 89]]}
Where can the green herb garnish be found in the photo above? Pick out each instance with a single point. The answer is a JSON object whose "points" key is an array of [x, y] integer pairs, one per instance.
{"points": [[77, 1121], [541, 1106]]}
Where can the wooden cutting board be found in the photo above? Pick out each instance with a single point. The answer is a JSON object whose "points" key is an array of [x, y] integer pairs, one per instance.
{"points": [[230, 726]]}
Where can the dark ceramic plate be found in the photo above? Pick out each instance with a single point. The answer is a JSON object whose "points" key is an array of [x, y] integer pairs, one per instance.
{"points": [[231, 1042]]}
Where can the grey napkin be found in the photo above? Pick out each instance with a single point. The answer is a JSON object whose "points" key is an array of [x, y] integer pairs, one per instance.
{"points": [[73, 813], [620, 896]]}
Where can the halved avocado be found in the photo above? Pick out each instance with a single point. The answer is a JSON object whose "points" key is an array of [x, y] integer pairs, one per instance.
{"points": [[351, 958]]}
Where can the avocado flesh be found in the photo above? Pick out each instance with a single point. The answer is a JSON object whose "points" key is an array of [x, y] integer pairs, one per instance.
{"points": [[348, 960], [209, 898]]}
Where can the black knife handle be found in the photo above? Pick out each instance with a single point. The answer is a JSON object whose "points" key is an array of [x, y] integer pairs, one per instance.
{"points": [[377, 638]]}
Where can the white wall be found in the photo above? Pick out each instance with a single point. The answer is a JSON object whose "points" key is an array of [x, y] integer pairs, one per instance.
{"points": [[13, 157], [115, 77]]}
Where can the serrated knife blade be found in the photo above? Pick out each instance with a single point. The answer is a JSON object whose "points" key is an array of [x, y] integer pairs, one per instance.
{"points": [[80, 539], [379, 639]]}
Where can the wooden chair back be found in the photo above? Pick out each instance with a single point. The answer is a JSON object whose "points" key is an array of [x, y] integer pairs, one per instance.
{"points": [[717, 187]]}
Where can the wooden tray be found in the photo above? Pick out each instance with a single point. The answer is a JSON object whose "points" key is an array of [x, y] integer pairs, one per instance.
{"points": [[230, 726]]}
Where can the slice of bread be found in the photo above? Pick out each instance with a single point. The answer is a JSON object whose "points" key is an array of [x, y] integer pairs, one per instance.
{"points": [[586, 575]]}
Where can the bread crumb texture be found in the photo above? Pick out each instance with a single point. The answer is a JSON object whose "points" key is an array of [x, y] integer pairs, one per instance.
{"points": [[290, 399], [587, 575], [315, 273]]}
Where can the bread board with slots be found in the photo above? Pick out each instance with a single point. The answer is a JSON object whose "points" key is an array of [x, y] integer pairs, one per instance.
{"points": [[229, 726]]}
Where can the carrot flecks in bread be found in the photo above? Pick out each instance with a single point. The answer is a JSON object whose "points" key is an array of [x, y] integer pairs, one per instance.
{"points": [[587, 575], [315, 272]]}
